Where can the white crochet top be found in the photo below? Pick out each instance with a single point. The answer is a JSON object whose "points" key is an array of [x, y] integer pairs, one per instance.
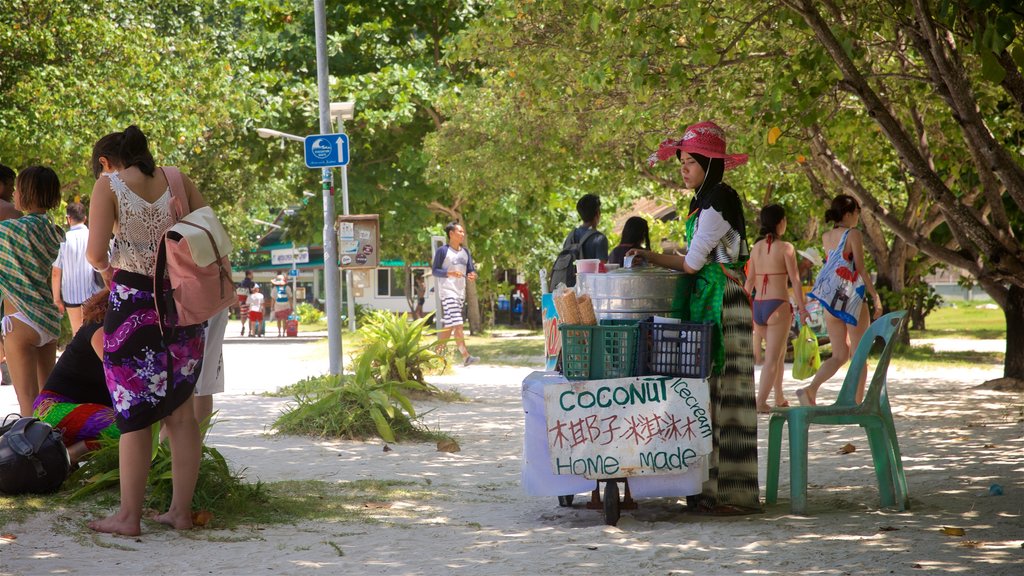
{"points": [[139, 228]]}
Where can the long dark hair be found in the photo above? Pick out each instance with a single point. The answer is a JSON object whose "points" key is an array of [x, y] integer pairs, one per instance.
{"points": [[636, 233], [770, 217], [842, 205], [128, 148]]}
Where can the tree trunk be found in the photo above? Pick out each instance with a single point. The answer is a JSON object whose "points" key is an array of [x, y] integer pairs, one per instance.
{"points": [[1013, 310], [473, 303]]}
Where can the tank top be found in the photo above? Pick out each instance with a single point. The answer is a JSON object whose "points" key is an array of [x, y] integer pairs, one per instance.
{"points": [[140, 227]]}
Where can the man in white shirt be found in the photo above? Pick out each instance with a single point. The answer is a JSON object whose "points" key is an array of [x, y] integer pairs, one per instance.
{"points": [[73, 280], [452, 266]]}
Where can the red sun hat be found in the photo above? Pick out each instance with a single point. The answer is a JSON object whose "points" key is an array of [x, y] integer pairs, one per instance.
{"points": [[706, 139]]}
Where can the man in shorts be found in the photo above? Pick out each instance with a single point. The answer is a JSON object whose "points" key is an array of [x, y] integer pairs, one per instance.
{"points": [[452, 266]]}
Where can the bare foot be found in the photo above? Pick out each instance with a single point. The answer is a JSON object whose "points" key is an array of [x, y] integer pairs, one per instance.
{"points": [[176, 521], [117, 524], [805, 397], [764, 409], [782, 403]]}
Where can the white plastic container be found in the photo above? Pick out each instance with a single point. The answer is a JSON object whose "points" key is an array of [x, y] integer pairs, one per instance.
{"points": [[587, 265]]}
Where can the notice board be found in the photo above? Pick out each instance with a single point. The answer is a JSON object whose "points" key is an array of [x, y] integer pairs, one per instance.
{"points": [[358, 241]]}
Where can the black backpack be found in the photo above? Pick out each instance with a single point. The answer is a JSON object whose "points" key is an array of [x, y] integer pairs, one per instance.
{"points": [[564, 269], [33, 458]]}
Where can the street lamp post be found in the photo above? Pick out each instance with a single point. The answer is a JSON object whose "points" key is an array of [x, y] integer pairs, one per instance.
{"points": [[346, 111]]}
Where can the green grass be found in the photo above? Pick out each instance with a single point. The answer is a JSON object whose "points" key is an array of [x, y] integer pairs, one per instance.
{"points": [[964, 320], [523, 348], [925, 357]]}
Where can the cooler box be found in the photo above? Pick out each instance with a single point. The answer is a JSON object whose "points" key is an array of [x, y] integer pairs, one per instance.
{"points": [[291, 326]]}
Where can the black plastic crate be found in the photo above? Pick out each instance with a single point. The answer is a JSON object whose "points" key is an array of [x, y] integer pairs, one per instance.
{"points": [[668, 349]]}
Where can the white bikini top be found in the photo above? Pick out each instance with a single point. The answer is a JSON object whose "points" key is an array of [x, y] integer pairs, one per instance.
{"points": [[140, 227]]}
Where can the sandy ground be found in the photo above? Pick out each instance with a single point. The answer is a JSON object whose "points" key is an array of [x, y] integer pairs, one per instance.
{"points": [[956, 442]]}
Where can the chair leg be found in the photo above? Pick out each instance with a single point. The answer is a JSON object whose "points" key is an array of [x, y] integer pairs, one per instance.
{"points": [[882, 457], [797, 463], [899, 478], [771, 490]]}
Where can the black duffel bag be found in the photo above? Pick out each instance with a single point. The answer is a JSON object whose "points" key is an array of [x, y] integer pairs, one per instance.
{"points": [[33, 458]]}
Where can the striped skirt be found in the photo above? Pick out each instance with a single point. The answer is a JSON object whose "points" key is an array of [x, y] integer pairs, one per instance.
{"points": [[149, 373], [733, 462], [76, 422]]}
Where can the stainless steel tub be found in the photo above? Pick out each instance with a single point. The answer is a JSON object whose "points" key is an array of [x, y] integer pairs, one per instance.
{"points": [[630, 293]]}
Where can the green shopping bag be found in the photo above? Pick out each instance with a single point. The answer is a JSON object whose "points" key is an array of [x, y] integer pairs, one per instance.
{"points": [[806, 356]]}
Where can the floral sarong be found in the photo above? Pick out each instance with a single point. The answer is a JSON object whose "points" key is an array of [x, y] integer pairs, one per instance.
{"points": [[149, 373]]}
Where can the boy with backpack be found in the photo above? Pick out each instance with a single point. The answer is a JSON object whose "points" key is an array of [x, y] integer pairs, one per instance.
{"points": [[584, 242]]}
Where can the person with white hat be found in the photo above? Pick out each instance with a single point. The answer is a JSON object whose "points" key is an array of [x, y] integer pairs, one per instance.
{"points": [[283, 302]]}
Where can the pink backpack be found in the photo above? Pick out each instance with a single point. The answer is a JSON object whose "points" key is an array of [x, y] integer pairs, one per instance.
{"points": [[194, 253]]}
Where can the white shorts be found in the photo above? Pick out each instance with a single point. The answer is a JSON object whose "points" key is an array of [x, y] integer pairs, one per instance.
{"points": [[211, 379], [451, 312]]}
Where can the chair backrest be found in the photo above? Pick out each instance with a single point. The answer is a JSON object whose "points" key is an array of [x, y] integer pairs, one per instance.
{"points": [[885, 328]]}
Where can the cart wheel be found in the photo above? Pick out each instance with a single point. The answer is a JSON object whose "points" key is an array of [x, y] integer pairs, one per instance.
{"points": [[611, 503], [566, 501]]}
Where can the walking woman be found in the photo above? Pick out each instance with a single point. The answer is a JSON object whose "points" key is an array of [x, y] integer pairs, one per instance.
{"points": [[771, 274], [717, 251], [840, 288], [151, 365], [28, 247]]}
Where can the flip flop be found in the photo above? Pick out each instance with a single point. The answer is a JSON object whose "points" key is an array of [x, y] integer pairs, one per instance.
{"points": [[804, 397], [783, 404]]}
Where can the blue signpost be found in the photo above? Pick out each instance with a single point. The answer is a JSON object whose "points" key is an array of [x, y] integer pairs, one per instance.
{"points": [[326, 150]]}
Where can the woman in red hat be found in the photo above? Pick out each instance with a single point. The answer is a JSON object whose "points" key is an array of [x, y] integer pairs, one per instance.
{"points": [[716, 252]]}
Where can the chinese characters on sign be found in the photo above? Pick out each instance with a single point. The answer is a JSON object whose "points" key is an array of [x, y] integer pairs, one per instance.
{"points": [[628, 426]]}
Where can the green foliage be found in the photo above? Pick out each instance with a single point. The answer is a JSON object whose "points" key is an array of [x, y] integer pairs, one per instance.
{"points": [[219, 490], [374, 400], [396, 345], [308, 314]]}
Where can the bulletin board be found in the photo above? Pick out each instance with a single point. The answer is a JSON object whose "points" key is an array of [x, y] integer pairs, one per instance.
{"points": [[358, 241]]}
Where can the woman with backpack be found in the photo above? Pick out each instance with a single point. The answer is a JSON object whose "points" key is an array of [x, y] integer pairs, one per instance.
{"points": [[151, 365]]}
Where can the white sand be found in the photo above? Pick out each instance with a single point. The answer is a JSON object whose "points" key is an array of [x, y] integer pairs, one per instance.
{"points": [[956, 442]]}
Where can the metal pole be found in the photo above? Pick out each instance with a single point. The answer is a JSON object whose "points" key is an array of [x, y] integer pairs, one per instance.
{"points": [[295, 275], [332, 278], [351, 299]]}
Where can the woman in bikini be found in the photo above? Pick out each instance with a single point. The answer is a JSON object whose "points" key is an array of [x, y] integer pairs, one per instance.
{"points": [[772, 273], [840, 288], [28, 247]]}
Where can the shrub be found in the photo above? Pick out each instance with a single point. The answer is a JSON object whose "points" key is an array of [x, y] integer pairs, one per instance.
{"points": [[308, 314], [374, 400], [396, 345]]}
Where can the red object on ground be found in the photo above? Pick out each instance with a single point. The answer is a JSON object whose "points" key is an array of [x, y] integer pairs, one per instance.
{"points": [[291, 327]]}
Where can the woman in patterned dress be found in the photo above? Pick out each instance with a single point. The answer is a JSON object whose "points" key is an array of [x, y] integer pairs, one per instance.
{"points": [[716, 252], [151, 364], [28, 247]]}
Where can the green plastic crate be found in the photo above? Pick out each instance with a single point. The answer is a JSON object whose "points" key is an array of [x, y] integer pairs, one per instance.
{"points": [[598, 352]]}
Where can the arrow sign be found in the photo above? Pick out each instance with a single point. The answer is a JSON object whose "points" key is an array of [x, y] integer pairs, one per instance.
{"points": [[326, 150]]}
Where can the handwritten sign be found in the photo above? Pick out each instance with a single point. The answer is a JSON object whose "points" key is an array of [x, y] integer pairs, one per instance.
{"points": [[644, 425]]}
